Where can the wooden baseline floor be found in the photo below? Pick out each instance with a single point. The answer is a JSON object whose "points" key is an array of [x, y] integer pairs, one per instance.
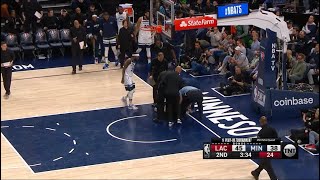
{"points": [[56, 91]]}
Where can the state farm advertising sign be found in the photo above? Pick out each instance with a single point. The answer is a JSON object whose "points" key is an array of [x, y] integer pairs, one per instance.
{"points": [[194, 23]]}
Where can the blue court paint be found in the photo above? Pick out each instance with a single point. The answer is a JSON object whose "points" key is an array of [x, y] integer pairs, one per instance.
{"points": [[81, 138], [94, 145]]}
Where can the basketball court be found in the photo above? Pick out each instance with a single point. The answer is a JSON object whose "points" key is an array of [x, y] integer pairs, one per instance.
{"points": [[61, 126], [57, 125]]}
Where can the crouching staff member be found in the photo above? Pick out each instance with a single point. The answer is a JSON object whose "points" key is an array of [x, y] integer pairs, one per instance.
{"points": [[188, 96], [78, 35], [7, 58], [127, 80], [237, 84]]}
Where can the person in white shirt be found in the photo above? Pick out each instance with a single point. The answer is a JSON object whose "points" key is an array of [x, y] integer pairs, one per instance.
{"points": [[120, 16], [127, 80]]}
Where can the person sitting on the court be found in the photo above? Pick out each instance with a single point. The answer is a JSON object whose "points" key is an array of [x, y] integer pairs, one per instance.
{"points": [[311, 123], [236, 84], [202, 67], [193, 55], [298, 70]]}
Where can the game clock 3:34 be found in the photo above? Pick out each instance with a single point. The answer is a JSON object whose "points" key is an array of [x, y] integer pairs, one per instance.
{"points": [[245, 154]]}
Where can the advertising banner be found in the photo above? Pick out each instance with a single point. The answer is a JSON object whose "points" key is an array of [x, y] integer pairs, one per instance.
{"points": [[198, 22]]}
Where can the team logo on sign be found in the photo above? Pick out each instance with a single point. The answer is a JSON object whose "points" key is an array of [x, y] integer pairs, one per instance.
{"points": [[183, 24]]}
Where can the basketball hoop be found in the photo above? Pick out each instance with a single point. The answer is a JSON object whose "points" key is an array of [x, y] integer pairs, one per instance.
{"points": [[156, 28]]}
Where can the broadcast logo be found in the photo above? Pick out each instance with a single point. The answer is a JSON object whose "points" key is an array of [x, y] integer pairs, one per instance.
{"points": [[289, 150]]}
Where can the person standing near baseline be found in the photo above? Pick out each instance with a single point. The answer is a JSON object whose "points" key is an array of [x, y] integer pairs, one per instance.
{"points": [[78, 36], [265, 132], [7, 58], [125, 39], [109, 31], [127, 80]]}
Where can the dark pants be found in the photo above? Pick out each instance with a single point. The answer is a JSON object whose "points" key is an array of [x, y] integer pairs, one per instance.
{"points": [[196, 96], [155, 92], [266, 164], [160, 105], [6, 76], [77, 57], [233, 89], [172, 107], [123, 53]]}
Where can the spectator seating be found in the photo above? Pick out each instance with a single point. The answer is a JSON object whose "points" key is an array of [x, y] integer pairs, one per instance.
{"points": [[65, 37], [54, 40], [13, 45], [41, 42], [26, 43]]}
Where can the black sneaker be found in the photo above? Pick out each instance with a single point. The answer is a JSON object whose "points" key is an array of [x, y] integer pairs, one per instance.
{"points": [[73, 72], [255, 175]]}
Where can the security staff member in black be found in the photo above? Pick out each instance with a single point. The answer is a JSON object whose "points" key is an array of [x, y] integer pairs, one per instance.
{"points": [[160, 96], [7, 58], [265, 132], [171, 84], [78, 36], [158, 65]]}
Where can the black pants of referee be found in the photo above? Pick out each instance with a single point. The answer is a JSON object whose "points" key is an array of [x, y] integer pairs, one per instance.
{"points": [[77, 57], [6, 76], [123, 53], [160, 105], [265, 164]]}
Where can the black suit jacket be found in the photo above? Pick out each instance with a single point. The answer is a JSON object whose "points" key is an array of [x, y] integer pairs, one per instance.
{"points": [[267, 132]]}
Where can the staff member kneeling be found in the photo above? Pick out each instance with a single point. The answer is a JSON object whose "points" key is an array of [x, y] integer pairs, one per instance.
{"points": [[7, 58], [188, 96]]}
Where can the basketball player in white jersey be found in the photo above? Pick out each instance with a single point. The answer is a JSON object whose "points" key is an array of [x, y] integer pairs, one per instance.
{"points": [[120, 16], [145, 36], [127, 80]]}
